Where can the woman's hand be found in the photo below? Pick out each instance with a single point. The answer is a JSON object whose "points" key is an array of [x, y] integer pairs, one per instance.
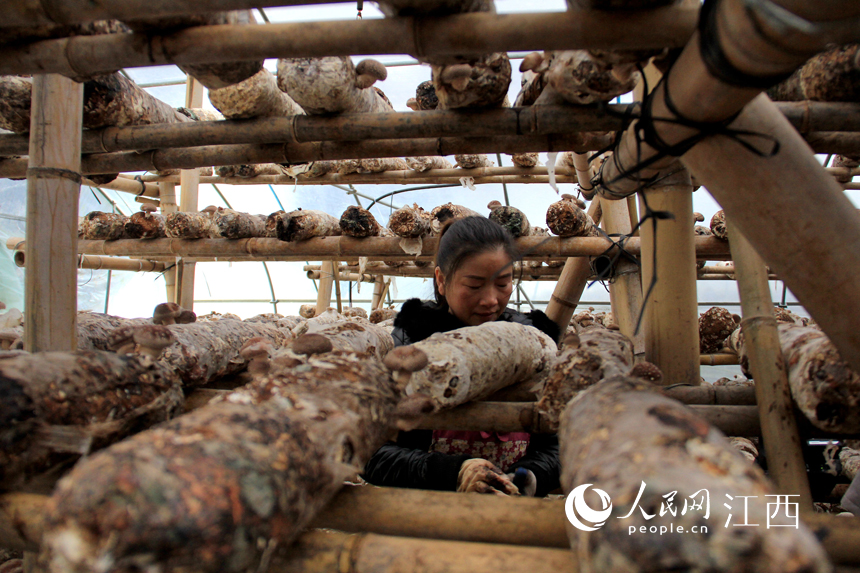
{"points": [[481, 476]]}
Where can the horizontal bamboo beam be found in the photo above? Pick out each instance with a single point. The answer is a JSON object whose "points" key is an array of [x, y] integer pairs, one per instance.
{"points": [[205, 156], [442, 515], [96, 262], [126, 185], [532, 120], [27, 14], [718, 359], [340, 248], [474, 33]]}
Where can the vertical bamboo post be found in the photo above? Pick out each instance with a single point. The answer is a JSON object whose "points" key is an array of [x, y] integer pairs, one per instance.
{"points": [[53, 187], [336, 279], [378, 286], [778, 425], [167, 196], [325, 286], [671, 321], [625, 292], [571, 283], [189, 181]]}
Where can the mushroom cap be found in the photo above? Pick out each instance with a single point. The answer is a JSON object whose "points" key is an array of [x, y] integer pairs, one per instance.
{"points": [[371, 67], [531, 61], [567, 197], [255, 347], [120, 337], [571, 340], [494, 204], [2, 305], [412, 104], [9, 335], [153, 336], [186, 317], [164, 311], [408, 358], [698, 217], [647, 371], [148, 208], [311, 344]]}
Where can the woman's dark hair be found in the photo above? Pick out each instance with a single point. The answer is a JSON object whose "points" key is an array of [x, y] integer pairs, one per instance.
{"points": [[466, 237]]}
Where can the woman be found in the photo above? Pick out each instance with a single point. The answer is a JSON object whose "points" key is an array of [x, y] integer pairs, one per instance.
{"points": [[472, 284]]}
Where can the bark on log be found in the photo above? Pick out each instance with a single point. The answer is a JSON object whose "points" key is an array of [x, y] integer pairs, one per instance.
{"points": [[381, 315], [188, 225], [247, 171], [98, 226], [256, 96], [566, 219], [205, 351], [144, 225], [15, 96], [358, 335], [477, 82], [317, 322], [94, 328], [308, 310], [600, 354], [673, 450], [328, 85], [212, 76], [472, 161], [788, 90], [300, 225], [715, 326], [359, 223], [531, 87], [449, 212], [378, 165], [426, 163], [512, 219], [525, 159], [586, 77], [61, 405], [473, 362], [410, 222], [257, 466], [234, 225], [833, 75]]}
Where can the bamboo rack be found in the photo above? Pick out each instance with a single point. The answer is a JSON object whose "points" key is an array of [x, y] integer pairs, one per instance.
{"points": [[333, 248], [96, 262], [806, 117], [475, 33]]}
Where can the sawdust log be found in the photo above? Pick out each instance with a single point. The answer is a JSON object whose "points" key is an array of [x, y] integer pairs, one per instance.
{"points": [[247, 170], [525, 159], [715, 326], [512, 219], [94, 328], [381, 315], [472, 161], [531, 87], [205, 351], [61, 405], [673, 450], [188, 225], [788, 90], [308, 310], [328, 85], [15, 96], [425, 163], [200, 114], [566, 219], [354, 311], [145, 225], [257, 96], [823, 386], [359, 223], [212, 76], [320, 168], [316, 322], [850, 460], [98, 226], [382, 164], [449, 212], [477, 82], [300, 225], [410, 222], [474, 362], [358, 335], [255, 465], [600, 354], [586, 77], [718, 225], [232, 224], [833, 75]]}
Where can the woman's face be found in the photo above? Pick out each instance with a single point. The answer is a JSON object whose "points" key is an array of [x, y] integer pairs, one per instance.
{"points": [[480, 289]]}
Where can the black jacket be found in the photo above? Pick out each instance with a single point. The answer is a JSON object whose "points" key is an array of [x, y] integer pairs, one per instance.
{"points": [[407, 462]]}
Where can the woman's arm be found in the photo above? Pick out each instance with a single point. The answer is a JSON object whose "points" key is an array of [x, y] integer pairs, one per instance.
{"points": [[408, 464], [541, 458]]}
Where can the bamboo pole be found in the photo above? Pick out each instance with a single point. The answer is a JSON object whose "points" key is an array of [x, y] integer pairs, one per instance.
{"points": [[344, 276], [423, 37], [378, 287], [432, 515], [335, 275], [718, 359], [773, 394], [325, 287], [127, 186], [53, 184], [167, 194], [104, 263], [670, 319], [625, 292], [344, 248], [571, 282], [381, 178], [192, 157], [189, 184]]}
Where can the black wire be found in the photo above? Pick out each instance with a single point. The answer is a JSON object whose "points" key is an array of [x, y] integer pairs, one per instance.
{"points": [[392, 193]]}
